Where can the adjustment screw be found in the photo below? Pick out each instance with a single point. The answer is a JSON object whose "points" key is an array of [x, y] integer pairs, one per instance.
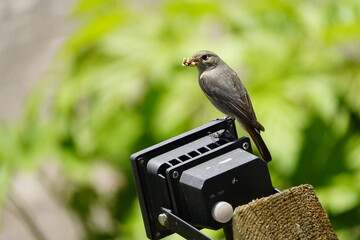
{"points": [[162, 218], [245, 145], [175, 174]]}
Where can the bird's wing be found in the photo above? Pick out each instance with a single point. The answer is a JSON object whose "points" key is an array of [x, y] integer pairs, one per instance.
{"points": [[229, 95]]}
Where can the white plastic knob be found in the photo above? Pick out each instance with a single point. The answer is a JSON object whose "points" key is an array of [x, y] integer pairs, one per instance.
{"points": [[222, 211]]}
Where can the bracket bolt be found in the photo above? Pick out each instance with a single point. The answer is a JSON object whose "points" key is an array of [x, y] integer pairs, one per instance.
{"points": [[163, 219], [245, 145]]}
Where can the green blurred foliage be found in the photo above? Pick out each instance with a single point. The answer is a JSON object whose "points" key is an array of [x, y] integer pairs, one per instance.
{"points": [[118, 86]]}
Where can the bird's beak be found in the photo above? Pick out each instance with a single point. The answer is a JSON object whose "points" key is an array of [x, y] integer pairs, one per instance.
{"points": [[192, 62]]}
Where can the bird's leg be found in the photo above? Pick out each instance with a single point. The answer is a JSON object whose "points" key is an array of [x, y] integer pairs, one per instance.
{"points": [[226, 132]]}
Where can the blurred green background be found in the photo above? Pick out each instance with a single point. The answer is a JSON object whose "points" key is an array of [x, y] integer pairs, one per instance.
{"points": [[117, 86]]}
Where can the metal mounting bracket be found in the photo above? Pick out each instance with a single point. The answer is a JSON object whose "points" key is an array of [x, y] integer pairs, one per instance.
{"points": [[176, 224]]}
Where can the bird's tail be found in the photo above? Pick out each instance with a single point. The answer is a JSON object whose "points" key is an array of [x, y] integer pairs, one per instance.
{"points": [[259, 142]]}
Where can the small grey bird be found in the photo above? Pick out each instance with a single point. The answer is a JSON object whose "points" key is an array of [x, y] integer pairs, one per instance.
{"points": [[224, 89]]}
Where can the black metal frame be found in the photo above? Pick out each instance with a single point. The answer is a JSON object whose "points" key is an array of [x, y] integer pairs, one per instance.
{"points": [[157, 169]]}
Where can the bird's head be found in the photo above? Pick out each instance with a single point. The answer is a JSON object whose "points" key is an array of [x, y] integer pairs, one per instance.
{"points": [[203, 60]]}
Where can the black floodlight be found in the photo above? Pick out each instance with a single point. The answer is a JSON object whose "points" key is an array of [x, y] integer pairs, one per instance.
{"points": [[196, 179]]}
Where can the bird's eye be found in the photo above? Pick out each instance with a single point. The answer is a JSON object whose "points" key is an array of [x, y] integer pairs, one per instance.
{"points": [[205, 57]]}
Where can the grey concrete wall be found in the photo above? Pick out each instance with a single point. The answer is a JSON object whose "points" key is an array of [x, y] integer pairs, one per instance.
{"points": [[31, 31]]}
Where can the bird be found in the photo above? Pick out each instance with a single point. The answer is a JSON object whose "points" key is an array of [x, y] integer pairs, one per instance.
{"points": [[227, 93]]}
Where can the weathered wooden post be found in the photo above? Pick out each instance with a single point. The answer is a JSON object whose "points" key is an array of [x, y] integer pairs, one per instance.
{"points": [[295, 213]]}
